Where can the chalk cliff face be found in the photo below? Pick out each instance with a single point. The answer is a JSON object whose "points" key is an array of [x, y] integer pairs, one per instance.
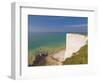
{"points": [[73, 43]]}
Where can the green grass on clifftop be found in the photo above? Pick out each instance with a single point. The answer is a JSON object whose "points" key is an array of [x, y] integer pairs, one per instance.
{"points": [[80, 57]]}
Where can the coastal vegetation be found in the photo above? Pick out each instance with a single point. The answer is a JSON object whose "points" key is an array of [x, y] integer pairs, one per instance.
{"points": [[80, 57]]}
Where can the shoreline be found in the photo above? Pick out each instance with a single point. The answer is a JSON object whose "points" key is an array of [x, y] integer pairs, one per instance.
{"points": [[56, 58], [32, 56]]}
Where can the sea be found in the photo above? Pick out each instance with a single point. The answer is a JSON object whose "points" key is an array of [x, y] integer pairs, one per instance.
{"points": [[46, 39]]}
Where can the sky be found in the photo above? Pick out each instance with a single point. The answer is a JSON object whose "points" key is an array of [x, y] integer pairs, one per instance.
{"points": [[37, 23]]}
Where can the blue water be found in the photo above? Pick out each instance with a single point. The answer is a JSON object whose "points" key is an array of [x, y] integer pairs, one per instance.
{"points": [[46, 39]]}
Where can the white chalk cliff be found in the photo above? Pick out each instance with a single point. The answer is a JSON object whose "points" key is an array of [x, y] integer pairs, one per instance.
{"points": [[73, 43]]}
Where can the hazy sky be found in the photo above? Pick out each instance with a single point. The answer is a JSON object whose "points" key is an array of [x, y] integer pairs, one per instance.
{"points": [[57, 24]]}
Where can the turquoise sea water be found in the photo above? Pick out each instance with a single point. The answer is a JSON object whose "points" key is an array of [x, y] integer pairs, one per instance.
{"points": [[46, 39]]}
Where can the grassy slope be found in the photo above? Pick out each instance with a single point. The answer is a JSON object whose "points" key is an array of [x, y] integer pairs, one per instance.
{"points": [[80, 58]]}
